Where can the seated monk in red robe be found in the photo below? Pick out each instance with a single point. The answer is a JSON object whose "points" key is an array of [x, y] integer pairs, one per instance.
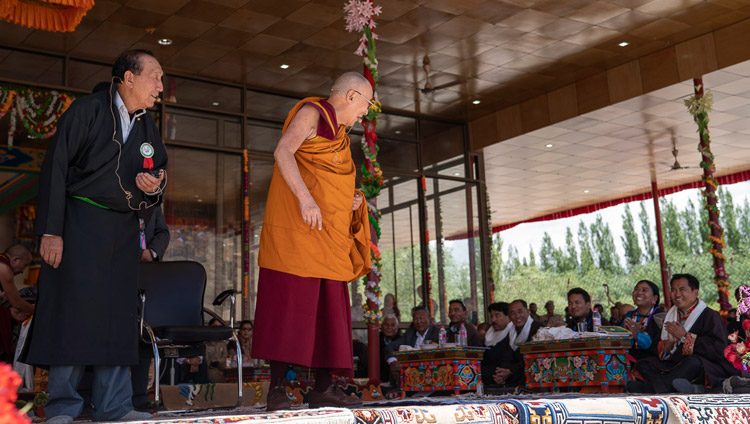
{"points": [[315, 239]]}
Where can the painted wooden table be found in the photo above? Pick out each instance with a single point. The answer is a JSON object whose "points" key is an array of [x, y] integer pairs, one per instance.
{"points": [[595, 362], [452, 368]]}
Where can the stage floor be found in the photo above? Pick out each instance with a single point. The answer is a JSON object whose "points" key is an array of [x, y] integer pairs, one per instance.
{"points": [[525, 409]]}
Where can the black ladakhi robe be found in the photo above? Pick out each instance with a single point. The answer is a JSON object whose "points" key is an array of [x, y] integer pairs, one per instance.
{"points": [[86, 312]]}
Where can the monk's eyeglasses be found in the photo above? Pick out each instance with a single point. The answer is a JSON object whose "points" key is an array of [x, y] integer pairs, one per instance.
{"points": [[370, 102]]}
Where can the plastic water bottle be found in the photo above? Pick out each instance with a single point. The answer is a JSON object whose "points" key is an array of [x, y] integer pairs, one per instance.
{"points": [[597, 318], [443, 338], [462, 335]]}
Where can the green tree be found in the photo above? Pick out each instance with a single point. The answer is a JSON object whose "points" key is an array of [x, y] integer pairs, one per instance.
{"points": [[584, 242], [691, 226], [648, 238], [571, 255], [496, 252], [513, 263], [532, 259], [547, 260], [674, 236], [703, 227], [603, 244], [630, 239], [743, 222], [728, 219]]}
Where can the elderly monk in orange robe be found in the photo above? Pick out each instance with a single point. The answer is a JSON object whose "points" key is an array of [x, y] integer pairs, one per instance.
{"points": [[315, 239]]}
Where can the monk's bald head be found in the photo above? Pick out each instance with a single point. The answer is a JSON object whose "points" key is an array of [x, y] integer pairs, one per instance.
{"points": [[351, 81]]}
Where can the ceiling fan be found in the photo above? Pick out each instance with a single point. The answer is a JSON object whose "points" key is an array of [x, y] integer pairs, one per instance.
{"points": [[676, 165], [428, 86]]}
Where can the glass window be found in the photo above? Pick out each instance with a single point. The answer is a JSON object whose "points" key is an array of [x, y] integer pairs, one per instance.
{"points": [[262, 137], [85, 75], [34, 67], [260, 179], [398, 155], [191, 127], [233, 132], [202, 94], [268, 106], [442, 148], [202, 210], [398, 127]]}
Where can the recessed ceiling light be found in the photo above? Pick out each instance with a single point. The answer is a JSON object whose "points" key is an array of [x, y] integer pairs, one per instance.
{"points": [[476, 102], [284, 66], [165, 41], [457, 174], [624, 44], [200, 200], [586, 191], [398, 131], [548, 145], [215, 104]]}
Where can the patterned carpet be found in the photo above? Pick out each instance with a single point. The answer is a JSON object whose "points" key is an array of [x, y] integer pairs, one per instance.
{"points": [[566, 409]]}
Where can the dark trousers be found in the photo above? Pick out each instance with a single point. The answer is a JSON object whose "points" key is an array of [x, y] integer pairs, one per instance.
{"points": [[689, 368]]}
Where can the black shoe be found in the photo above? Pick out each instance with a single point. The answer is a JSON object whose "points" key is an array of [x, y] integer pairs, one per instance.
{"points": [[635, 386], [278, 400], [147, 406], [683, 385]]}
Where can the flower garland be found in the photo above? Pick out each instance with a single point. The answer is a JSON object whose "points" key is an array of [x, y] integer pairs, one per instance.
{"points": [[743, 306], [39, 119], [9, 382], [738, 351], [360, 17], [488, 240], [699, 105], [428, 277]]}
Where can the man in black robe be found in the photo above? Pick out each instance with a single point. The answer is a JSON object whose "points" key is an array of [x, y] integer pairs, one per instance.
{"points": [[690, 356], [503, 364], [95, 195], [579, 306], [457, 313]]}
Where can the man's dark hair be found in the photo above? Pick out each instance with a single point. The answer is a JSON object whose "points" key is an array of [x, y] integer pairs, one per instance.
{"points": [[654, 288], [420, 308], [247, 322], [582, 292], [499, 307], [599, 306], [523, 302], [460, 302], [129, 60], [692, 281]]}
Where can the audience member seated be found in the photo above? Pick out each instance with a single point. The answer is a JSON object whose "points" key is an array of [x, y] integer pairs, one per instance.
{"points": [[420, 332], [496, 358], [734, 324], [579, 307], [690, 355], [505, 365], [551, 319], [614, 316], [12, 308], [599, 307], [245, 336], [644, 323], [216, 356], [533, 311], [457, 315], [389, 333]]}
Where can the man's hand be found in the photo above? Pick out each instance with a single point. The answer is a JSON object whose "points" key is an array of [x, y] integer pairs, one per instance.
{"points": [[357, 201], [501, 375], [146, 256], [147, 182], [18, 315], [675, 330], [51, 250], [311, 213]]}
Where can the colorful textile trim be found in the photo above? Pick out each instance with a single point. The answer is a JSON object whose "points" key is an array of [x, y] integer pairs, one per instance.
{"points": [[687, 347]]}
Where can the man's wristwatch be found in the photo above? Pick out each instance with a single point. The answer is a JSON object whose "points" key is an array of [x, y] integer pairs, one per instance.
{"points": [[153, 254]]}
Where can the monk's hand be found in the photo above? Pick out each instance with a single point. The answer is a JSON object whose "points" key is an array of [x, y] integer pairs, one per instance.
{"points": [[51, 250], [311, 214], [357, 201], [147, 182]]}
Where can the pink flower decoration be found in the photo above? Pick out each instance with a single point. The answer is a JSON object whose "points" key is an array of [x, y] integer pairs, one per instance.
{"points": [[746, 324], [733, 337], [741, 349]]}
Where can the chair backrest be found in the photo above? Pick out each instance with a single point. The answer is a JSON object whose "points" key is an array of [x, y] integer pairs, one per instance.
{"points": [[174, 292]]}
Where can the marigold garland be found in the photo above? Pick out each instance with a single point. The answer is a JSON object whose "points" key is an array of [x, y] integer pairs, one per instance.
{"points": [[699, 105], [9, 382]]}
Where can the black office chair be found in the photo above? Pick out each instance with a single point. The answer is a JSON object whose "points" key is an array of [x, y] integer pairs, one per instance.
{"points": [[173, 321]]}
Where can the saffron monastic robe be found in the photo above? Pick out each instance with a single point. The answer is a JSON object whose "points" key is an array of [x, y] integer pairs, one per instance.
{"points": [[303, 313], [87, 307]]}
